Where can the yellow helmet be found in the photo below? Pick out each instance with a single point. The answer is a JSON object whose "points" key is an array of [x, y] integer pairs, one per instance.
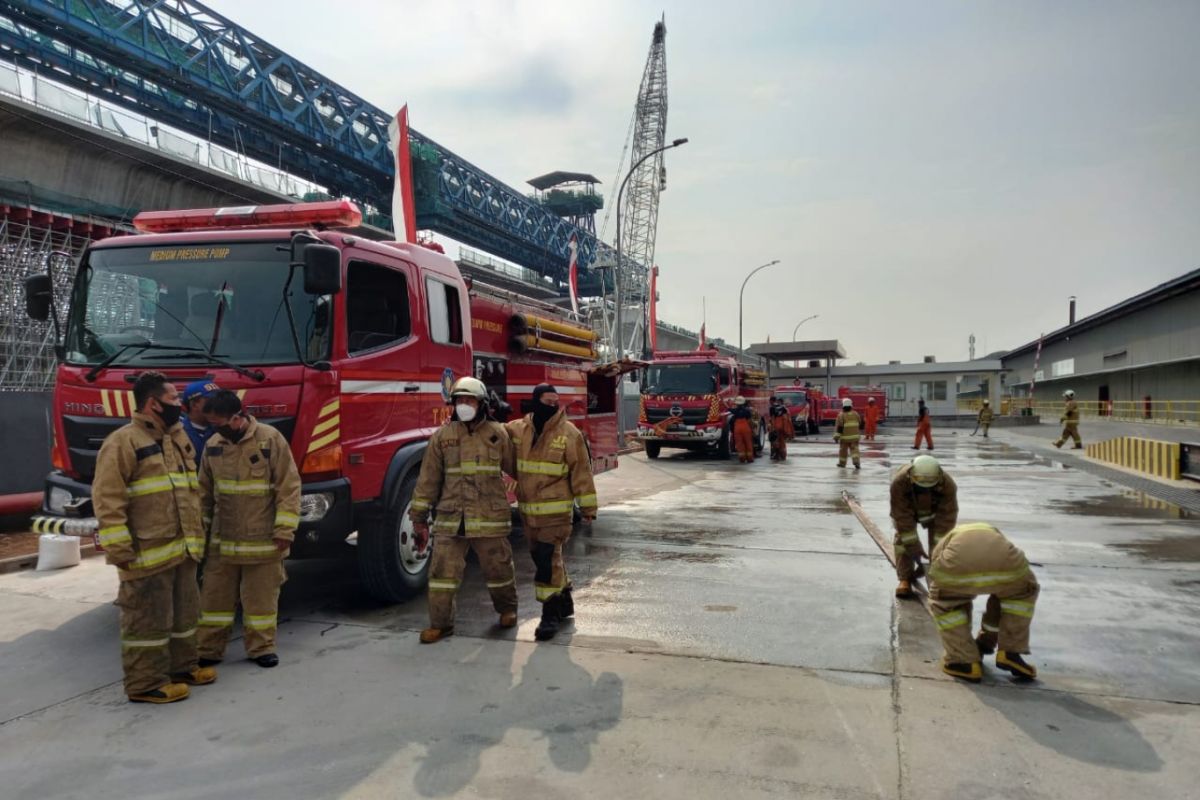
{"points": [[926, 471], [469, 387]]}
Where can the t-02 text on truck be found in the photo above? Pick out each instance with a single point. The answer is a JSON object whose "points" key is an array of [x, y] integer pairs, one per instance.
{"points": [[348, 346]]}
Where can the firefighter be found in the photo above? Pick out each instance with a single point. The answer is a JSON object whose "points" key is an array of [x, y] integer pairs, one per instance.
{"points": [[973, 560], [147, 504], [743, 430], [872, 419], [924, 428], [781, 430], [986, 415], [1070, 421], [461, 482], [195, 419], [250, 498], [846, 433], [921, 494], [554, 474]]}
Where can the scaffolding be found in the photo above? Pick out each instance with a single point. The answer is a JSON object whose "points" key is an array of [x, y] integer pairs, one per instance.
{"points": [[27, 357]]}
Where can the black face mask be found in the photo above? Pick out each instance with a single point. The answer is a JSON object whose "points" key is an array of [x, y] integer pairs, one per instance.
{"points": [[542, 414], [169, 414], [230, 434]]}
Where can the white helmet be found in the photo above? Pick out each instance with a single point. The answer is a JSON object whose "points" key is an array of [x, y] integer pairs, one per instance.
{"points": [[847, 402], [987, 402], [739, 401], [1069, 393], [469, 387], [926, 471]]}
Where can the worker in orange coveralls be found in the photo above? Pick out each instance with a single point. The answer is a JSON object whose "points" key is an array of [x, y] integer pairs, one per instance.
{"points": [[924, 429], [782, 430], [872, 419], [743, 430]]}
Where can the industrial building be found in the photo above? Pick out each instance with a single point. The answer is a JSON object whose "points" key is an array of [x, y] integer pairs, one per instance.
{"points": [[1137, 355]]}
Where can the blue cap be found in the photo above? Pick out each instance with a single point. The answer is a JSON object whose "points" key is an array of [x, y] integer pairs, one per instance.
{"points": [[199, 389]]}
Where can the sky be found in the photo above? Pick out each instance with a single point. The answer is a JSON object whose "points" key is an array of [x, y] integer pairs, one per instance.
{"points": [[922, 170]]}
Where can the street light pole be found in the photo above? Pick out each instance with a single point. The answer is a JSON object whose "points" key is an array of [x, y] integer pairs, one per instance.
{"points": [[618, 295], [797, 328], [743, 292]]}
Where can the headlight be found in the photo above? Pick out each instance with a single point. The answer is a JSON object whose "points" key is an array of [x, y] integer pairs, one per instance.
{"points": [[58, 499], [315, 506]]}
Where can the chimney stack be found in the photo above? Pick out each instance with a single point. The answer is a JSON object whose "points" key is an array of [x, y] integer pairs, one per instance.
{"points": [[930, 359], [1071, 320]]}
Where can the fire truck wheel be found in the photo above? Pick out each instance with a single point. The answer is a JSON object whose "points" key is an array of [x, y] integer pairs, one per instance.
{"points": [[723, 451], [760, 439], [388, 563], [653, 449]]}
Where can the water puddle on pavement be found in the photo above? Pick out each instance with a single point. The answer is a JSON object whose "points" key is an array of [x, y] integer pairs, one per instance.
{"points": [[1165, 548], [1129, 504]]}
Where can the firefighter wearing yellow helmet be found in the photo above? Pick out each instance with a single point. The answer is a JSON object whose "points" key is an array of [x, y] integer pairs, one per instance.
{"points": [[922, 494], [462, 485]]}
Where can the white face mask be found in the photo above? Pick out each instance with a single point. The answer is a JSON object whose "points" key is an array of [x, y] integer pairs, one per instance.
{"points": [[465, 412]]}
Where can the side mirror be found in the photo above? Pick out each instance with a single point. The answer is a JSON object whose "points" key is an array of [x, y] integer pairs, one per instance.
{"points": [[322, 269], [39, 293]]}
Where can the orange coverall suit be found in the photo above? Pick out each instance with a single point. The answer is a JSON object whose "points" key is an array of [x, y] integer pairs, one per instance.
{"points": [[924, 430], [781, 431], [743, 434], [872, 421]]}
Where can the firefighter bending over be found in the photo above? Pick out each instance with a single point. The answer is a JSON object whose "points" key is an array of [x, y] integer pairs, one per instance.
{"points": [[921, 494]]}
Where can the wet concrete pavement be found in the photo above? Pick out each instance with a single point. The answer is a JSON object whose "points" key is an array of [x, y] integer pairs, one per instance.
{"points": [[735, 636]]}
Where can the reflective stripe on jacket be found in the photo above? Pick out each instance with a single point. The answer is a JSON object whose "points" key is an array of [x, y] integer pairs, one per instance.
{"points": [[936, 508], [250, 495], [848, 426], [553, 473], [461, 481], [146, 499]]}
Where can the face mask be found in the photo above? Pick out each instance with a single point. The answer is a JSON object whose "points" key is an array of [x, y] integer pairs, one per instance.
{"points": [[465, 412], [229, 433], [169, 414]]}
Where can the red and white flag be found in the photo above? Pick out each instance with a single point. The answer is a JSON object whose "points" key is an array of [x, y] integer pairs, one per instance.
{"points": [[573, 273], [404, 209], [703, 339]]}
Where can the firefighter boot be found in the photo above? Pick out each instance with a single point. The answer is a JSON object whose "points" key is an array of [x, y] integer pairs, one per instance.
{"points": [[904, 589], [551, 618], [972, 672], [508, 619], [1018, 666], [200, 676], [567, 609], [986, 642], [431, 635], [267, 660], [169, 693]]}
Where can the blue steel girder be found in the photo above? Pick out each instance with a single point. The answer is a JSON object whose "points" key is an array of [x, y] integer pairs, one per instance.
{"points": [[182, 63]]}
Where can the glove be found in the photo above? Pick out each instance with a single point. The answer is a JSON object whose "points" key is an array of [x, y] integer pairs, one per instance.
{"points": [[421, 535]]}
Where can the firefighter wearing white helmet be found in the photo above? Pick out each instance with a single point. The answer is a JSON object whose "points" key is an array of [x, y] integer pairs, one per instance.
{"points": [[847, 432], [986, 415], [462, 484], [1070, 421], [922, 494]]}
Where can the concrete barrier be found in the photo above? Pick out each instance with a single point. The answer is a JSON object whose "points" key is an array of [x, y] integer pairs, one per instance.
{"points": [[1149, 456]]}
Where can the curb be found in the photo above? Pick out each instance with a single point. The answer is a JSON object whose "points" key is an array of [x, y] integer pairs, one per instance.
{"points": [[29, 562]]}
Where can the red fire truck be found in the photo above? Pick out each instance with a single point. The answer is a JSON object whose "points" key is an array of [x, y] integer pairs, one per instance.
{"points": [[859, 395], [804, 406], [348, 346], [687, 397]]}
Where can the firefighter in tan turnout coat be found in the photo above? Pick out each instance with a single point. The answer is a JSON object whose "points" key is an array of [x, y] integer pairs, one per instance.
{"points": [[922, 494], [973, 560], [146, 501], [250, 494], [554, 473], [462, 485]]}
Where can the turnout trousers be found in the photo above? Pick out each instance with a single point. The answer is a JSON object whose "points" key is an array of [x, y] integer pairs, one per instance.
{"points": [[743, 440], [158, 627], [848, 447], [1009, 613], [256, 587], [924, 431], [1070, 431], [449, 563], [546, 549]]}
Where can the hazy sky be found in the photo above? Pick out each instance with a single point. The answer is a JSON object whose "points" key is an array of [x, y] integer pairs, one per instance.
{"points": [[924, 170]]}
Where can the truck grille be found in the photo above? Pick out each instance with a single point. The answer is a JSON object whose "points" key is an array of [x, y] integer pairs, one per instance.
{"points": [[691, 416], [86, 434]]}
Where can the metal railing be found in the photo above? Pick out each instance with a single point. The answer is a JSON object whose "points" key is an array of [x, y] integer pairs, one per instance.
{"points": [[1157, 412]]}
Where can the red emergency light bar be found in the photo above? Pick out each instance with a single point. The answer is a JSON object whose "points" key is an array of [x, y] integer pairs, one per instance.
{"points": [[327, 214]]}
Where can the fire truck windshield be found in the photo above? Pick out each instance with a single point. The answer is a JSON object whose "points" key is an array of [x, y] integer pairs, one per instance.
{"points": [[796, 398], [680, 379], [220, 299]]}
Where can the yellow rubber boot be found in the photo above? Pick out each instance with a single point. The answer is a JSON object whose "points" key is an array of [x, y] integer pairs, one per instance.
{"points": [[200, 676], [170, 693], [972, 672], [1016, 665]]}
